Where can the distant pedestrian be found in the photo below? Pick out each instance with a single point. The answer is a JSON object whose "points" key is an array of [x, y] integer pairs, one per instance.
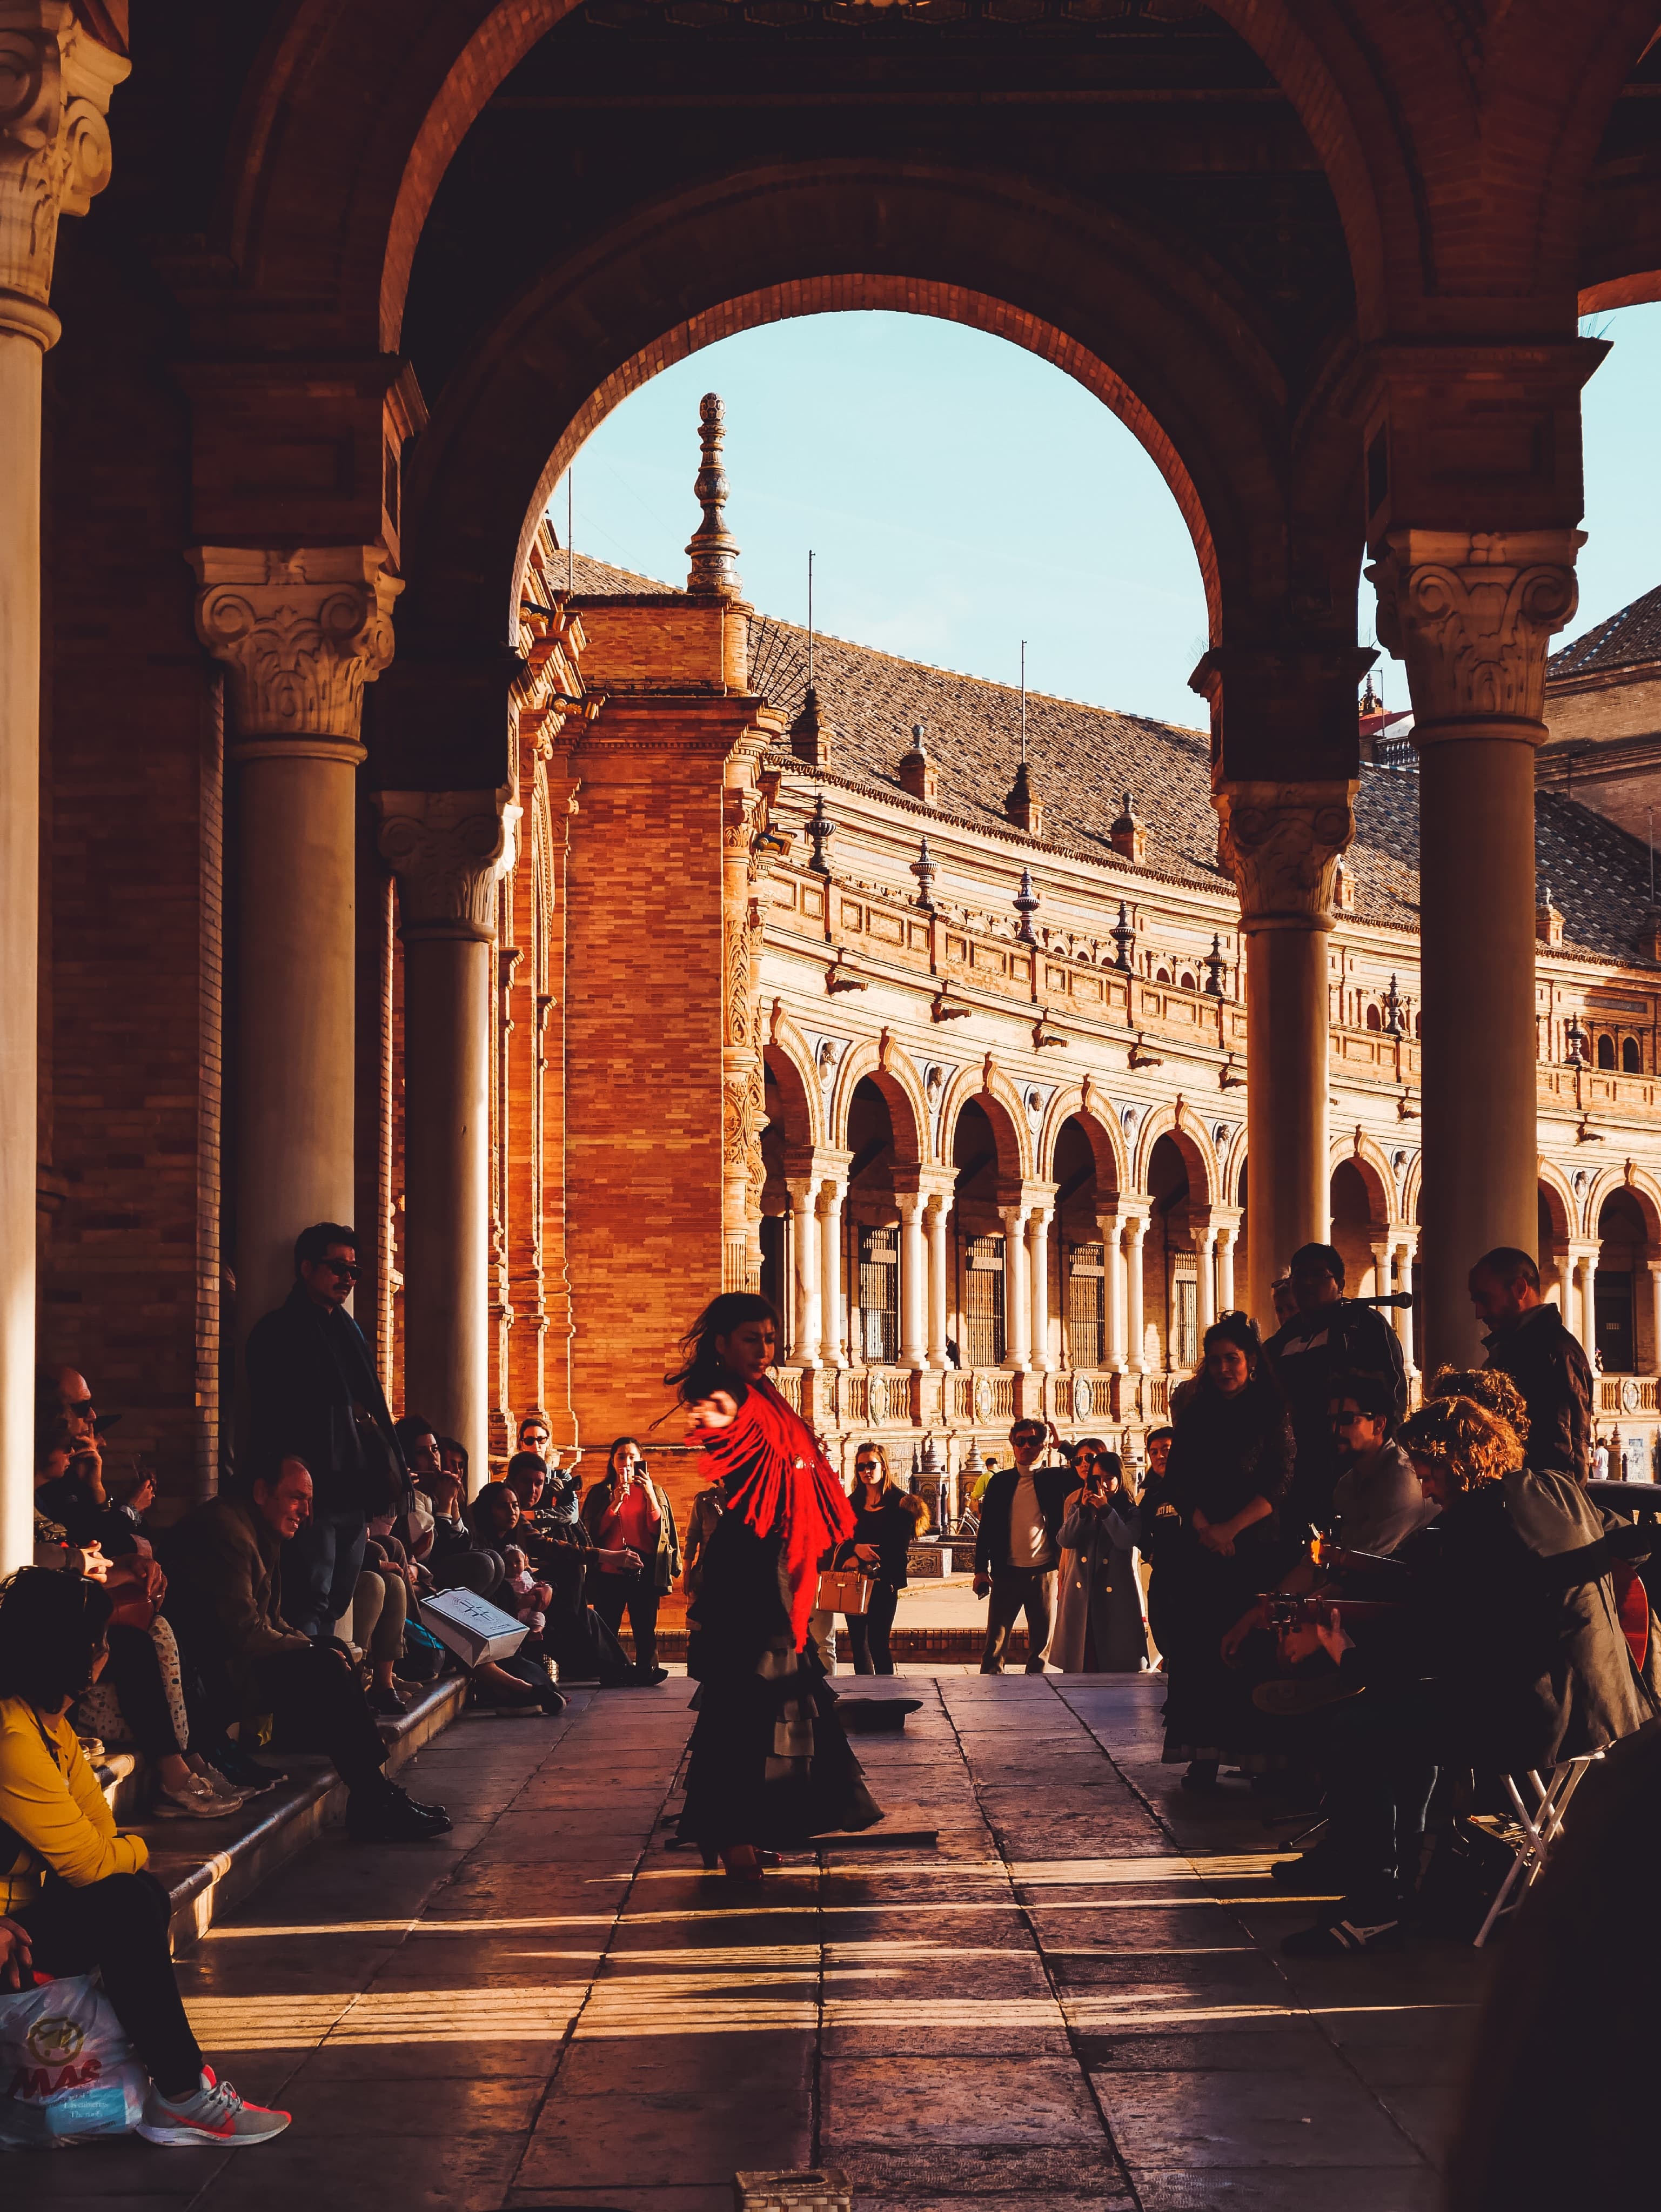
{"points": [[1329, 1337], [886, 1519], [1099, 1628], [1018, 1547]]}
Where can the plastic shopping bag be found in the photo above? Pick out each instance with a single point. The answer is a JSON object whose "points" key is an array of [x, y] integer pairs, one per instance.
{"points": [[67, 2070]]}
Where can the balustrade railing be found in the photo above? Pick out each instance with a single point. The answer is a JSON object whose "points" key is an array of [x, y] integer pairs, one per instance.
{"points": [[1628, 1394], [788, 1383]]}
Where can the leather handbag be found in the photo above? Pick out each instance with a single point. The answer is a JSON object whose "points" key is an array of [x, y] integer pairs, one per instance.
{"points": [[844, 1592]]}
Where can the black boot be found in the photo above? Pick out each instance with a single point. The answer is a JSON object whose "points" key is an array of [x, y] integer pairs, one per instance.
{"points": [[388, 1814]]}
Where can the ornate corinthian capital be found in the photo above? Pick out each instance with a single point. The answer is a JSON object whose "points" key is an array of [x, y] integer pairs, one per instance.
{"points": [[302, 634], [1281, 842], [448, 848], [1471, 616], [55, 87]]}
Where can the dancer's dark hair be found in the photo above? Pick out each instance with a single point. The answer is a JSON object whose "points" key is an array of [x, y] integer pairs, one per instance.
{"points": [[702, 1370]]}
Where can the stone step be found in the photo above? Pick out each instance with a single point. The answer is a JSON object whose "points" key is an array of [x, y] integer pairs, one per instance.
{"points": [[208, 1866]]}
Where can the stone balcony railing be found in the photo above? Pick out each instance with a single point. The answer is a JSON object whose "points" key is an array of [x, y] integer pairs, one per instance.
{"points": [[973, 1400]]}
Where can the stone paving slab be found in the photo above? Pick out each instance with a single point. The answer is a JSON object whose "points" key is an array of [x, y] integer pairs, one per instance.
{"points": [[1075, 1999]]}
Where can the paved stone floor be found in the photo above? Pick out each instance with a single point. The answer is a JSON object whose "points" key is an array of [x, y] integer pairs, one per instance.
{"points": [[1075, 2000]]}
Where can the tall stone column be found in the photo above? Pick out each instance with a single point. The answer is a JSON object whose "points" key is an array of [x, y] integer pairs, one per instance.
{"points": [[1037, 1237], [1471, 615], [55, 86], [1282, 842], [1016, 1290], [1205, 1259], [938, 1226], [914, 1287], [1580, 1308], [299, 634], [1652, 1363], [1227, 1236], [1401, 1317], [1111, 1230], [448, 848], [1135, 1323], [805, 1324], [833, 1316]]}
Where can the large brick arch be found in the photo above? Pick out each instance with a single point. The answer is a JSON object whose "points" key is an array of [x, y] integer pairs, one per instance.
{"points": [[1455, 147], [1084, 290]]}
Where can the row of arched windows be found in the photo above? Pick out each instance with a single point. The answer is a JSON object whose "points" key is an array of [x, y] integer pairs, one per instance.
{"points": [[1628, 1058]]}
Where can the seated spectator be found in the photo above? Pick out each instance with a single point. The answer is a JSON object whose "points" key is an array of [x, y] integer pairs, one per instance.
{"points": [[531, 1598], [1506, 1656], [519, 1679], [380, 1612], [633, 1526], [453, 1557], [561, 1553], [143, 1702], [227, 1590], [131, 1492], [452, 1458], [102, 1912]]}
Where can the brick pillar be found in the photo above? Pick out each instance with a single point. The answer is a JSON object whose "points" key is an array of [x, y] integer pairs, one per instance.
{"points": [[54, 158], [448, 849], [299, 634]]}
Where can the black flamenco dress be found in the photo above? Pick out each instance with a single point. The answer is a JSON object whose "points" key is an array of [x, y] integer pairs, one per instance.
{"points": [[770, 1763]]}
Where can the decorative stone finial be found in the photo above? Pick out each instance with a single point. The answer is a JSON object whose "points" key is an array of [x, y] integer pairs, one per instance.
{"points": [[820, 829], [1216, 968], [1025, 903], [1123, 933], [1022, 809], [713, 553], [1548, 920], [809, 734], [917, 773], [923, 869]]}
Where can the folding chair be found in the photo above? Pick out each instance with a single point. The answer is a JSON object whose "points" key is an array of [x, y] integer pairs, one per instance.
{"points": [[1540, 1831]]}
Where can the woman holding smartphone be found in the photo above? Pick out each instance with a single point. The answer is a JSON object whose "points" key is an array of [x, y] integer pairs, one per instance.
{"points": [[1099, 1628], [633, 1526]]}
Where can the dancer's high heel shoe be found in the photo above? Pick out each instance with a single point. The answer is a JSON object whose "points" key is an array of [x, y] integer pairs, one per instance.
{"points": [[743, 1863]]}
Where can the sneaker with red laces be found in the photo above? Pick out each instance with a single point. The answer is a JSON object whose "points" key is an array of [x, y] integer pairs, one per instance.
{"points": [[215, 2114]]}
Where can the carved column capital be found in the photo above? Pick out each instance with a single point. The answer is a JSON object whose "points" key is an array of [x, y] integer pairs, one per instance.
{"points": [[1471, 614], [1281, 842], [55, 159], [302, 633], [448, 849]]}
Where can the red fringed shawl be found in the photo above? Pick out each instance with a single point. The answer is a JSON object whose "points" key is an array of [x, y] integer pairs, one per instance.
{"points": [[775, 1476]]}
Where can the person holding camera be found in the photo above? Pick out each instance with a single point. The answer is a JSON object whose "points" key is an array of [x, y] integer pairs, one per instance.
{"points": [[886, 1519], [637, 1549], [1099, 1628]]}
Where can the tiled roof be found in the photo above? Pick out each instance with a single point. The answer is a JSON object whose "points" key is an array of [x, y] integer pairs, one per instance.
{"points": [[1083, 759], [1625, 641]]}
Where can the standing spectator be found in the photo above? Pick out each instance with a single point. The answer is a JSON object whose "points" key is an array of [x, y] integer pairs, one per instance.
{"points": [[1099, 1627], [1018, 1547], [707, 1509], [1528, 1338], [228, 1600], [1230, 1462], [886, 1519], [1600, 1461], [631, 1518], [534, 1435], [314, 1396], [1329, 1336], [1158, 1522]]}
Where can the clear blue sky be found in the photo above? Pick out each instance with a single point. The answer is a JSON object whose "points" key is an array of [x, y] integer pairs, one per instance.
{"points": [[961, 495]]}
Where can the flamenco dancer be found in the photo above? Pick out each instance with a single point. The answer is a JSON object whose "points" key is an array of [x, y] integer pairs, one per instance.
{"points": [[771, 1765]]}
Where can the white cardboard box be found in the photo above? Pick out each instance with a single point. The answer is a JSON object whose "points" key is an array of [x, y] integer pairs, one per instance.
{"points": [[473, 1628]]}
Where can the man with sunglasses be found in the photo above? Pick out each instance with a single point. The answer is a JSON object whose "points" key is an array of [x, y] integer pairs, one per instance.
{"points": [[313, 1395], [1017, 1547]]}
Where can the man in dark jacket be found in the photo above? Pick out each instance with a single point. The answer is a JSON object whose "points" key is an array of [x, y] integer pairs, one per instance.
{"points": [[225, 1601], [313, 1393], [1529, 1340], [1329, 1337], [1018, 1547]]}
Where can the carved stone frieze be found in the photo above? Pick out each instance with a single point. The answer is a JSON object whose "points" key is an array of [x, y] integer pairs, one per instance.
{"points": [[300, 632], [55, 159], [1471, 615], [1281, 842], [448, 849]]}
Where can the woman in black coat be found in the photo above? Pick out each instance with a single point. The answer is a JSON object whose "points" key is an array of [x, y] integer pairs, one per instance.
{"points": [[886, 1520], [1231, 1460]]}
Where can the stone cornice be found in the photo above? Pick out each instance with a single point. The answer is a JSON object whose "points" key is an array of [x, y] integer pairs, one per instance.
{"points": [[55, 155]]}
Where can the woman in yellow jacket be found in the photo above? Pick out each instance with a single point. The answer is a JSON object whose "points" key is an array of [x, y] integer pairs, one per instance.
{"points": [[74, 1894]]}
